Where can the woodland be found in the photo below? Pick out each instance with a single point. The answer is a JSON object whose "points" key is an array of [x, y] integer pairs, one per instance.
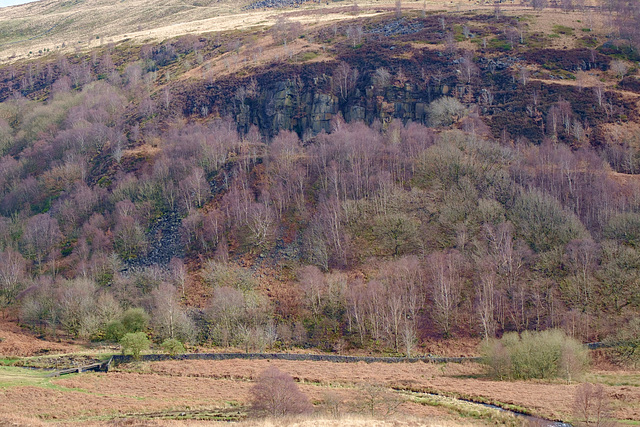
{"points": [[420, 176]]}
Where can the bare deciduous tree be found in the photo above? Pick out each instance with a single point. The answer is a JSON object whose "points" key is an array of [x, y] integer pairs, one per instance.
{"points": [[276, 394], [381, 78], [168, 317], [178, 272], [345, 79], [619, 68], [12, 276], [599, 92], [486, 302], [260, 222], [355, 34], [468, 68], [41, 236], [591, 406], [446, 284], [378, 400]]}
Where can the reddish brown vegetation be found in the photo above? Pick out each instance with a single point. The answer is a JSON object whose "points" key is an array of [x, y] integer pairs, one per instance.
{"points": [[15, 341], [276, 394], [548, 400]]}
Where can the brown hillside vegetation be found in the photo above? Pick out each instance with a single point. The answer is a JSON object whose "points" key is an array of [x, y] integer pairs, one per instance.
{"points": [[46, 26], [463, 184], [15, 341]]}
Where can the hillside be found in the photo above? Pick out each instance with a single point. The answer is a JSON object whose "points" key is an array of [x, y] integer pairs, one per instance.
{"points": [[45, 26], [371, 177], [84, 24], [381, 178]]}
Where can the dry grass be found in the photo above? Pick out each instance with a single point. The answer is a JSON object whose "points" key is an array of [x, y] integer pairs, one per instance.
{"points": [[161, 387], [17, 342], [247, 58], [95, 397], [47, 25], [354, 421], [551, 400]]}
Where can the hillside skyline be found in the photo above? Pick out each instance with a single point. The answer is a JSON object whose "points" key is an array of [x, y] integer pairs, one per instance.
{"points": [[6, 3]]}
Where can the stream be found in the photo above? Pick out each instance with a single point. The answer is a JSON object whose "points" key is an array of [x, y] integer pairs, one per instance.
{"points": [[530, 419], [537, 421]]}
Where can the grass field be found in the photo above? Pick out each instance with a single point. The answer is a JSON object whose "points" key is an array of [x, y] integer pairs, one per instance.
{"points": [[219, 390]]}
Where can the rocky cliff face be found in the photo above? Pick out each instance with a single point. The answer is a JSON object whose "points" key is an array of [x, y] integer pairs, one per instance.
{"points": [[286, 107], [308, 105], [305, 98]]}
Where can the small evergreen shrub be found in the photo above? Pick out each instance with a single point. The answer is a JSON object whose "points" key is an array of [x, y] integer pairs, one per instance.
{"points": [[115, 331], [134, 343], [172, 346], [135, 320]]}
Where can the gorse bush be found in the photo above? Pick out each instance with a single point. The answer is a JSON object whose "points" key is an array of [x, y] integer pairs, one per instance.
{"points": [[546, 354], [132, 320], [135, 320]]}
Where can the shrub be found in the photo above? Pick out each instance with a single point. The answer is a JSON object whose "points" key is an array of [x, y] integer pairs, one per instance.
{"points": [[624, 228], [134, 343], [497, 359], [545, 354], [135, 320], [172, 346], [115, 331], [276, 394], [219, 274], [445, 111], [543, 223], [378, 400]]}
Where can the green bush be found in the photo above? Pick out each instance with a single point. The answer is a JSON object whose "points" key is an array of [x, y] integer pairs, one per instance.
{"points": [[135, 320], [543, 222], [172, 346], [115, 331], [544, 355], [134, 343], [624, 228]]}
